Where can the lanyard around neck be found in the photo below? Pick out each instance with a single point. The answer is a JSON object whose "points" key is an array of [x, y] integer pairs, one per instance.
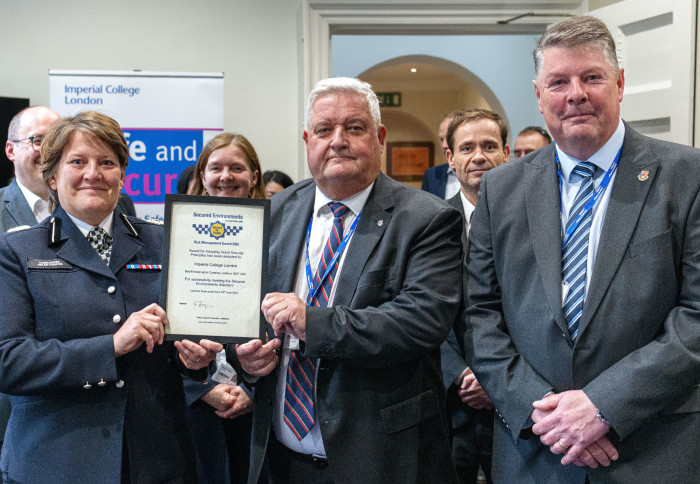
{"points": [[591, 202], [313, 291]]}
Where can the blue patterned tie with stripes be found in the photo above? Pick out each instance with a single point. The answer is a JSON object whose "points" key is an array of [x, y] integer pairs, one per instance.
{"points": [[298, 398], [575, 251]]}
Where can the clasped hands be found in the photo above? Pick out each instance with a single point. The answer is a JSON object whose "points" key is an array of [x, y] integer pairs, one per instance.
{"points": [[147, 326], [470, 392], [229, 401], [286, 313], [568, 424]]}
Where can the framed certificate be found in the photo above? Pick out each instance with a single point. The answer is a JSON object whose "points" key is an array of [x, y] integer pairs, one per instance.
{"points": [[214, 267]]}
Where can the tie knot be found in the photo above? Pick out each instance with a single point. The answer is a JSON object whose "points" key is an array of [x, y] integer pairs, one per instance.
{"points": [[585, 169], [339, 210]]}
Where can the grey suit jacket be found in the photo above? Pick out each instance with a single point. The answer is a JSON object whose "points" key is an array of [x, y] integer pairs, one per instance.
{"points": [[14, 209], [380, 398], [637, 356]]}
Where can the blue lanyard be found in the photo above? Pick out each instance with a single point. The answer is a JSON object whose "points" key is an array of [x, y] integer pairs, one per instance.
{"points": [[309, 277], [591, 202]]}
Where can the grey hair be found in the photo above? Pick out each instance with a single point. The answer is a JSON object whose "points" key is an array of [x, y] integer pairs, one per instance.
{"points": [[576, 32], [344, 85]]}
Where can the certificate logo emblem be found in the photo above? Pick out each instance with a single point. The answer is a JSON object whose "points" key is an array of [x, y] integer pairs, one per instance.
{"points": [[217, 230]]}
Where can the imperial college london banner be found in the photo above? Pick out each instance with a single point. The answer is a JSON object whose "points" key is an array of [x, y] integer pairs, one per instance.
{"points": [[166, 118]]}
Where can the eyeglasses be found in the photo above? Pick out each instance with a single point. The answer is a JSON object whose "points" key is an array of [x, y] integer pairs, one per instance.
{"points": [[35, 141]]}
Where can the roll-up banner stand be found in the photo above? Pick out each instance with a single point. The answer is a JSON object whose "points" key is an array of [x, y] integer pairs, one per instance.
{"points": [[167, 117]]}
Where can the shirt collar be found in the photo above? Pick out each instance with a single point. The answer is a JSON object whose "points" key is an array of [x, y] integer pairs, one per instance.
{"points": [[354, 202], [29, 195], [468, 207], [85, 227], [603, 158]]}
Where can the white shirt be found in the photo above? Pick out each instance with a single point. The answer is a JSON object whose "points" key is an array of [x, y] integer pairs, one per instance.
{"points": [[39, 206], [452, 185], [321, 225], [468, 211], [570, 183], [85, 227]]}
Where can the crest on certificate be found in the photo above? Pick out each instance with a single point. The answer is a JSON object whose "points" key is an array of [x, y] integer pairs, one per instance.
{"points": [[217, 230]]}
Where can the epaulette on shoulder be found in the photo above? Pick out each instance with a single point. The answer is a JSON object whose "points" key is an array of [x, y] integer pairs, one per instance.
{"points": [[19, 228], [154, 222]]}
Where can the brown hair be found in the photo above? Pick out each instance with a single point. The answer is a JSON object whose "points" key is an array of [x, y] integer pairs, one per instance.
{"points": [[92, 123], [576, 32], [220, 141], [462, 117]]}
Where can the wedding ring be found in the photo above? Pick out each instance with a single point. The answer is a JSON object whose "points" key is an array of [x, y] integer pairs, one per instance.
{"points": [[565, 447]]}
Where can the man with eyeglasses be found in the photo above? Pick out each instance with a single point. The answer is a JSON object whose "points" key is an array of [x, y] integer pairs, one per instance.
{"points": [[25, 200]]}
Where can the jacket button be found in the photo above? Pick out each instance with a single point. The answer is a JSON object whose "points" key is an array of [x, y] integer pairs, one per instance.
{"points": [[111, 289], [116, 319], [87, 385], [101, 383], [119, 384]]}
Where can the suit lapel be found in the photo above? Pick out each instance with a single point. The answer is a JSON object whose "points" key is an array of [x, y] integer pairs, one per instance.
{"points": [[76, 249], [542, 203], [17, 206], [373, 221], [292, 239], [623, 212]]}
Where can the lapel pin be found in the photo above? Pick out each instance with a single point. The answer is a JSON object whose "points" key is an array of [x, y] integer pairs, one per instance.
{"points": [[643, 175], [380, 223]]}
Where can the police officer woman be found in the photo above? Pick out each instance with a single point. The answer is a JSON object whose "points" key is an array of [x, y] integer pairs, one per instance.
{"points": [[96, 393]]}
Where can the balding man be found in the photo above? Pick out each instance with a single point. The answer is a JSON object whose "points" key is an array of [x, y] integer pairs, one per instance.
{"points": [[25, 200]]}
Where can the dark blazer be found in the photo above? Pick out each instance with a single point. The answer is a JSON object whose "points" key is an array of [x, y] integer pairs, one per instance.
{"points": [[637, 356], [435, 180], [73, 403], [380, 396]]}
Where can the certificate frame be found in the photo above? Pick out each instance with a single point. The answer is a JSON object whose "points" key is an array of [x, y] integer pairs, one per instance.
{"points": [[207, 287]]}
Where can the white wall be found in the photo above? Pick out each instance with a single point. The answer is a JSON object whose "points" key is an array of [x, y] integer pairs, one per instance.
{"points": [[256, 43], [504, 63]]}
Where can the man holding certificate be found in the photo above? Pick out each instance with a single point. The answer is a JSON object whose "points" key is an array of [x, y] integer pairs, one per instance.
{"points": [[355, 394]]}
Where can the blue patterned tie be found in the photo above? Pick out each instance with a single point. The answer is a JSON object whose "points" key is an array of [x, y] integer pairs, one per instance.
{"points": [[298, 399], [575, 252]]}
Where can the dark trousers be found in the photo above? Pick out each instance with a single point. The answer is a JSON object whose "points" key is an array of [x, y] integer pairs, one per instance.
{"points": [[288, 467], [472, 440]]}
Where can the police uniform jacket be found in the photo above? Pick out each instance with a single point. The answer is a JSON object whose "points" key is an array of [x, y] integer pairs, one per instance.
{"points": [[75, 407]]}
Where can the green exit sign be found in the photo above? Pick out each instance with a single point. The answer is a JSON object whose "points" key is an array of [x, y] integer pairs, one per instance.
{"points": [[389, 99]]}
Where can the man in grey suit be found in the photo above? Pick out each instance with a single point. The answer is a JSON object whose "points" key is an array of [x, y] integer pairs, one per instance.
{"points": [[583, 322], [362, 399], [25, 200], [476, 141]]}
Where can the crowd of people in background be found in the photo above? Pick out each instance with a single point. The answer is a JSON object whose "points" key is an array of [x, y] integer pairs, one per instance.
{"points": [[525, 321]]}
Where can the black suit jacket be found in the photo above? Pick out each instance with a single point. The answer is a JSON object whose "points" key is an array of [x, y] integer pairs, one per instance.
{"points": [[380, 396], [637, 355]]}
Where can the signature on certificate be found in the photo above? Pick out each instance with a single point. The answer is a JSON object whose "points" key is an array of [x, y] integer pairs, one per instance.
{"points": [[201, 304]]}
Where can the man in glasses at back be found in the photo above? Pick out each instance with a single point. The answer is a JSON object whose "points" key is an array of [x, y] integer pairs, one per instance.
{"points": [[24, 201]]}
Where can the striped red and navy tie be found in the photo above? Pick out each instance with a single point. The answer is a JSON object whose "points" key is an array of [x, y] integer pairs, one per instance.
{"points": [[298, 399]]}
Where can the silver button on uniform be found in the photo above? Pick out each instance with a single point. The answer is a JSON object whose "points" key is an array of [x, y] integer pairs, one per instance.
{"points": [[117, 319], [87, 385], [120, 384], [111, 289], [101, 383]]}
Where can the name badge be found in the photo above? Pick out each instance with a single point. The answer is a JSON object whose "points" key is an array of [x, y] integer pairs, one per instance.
{"points": [[292, 342], [47, 264], [224, 371]]}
